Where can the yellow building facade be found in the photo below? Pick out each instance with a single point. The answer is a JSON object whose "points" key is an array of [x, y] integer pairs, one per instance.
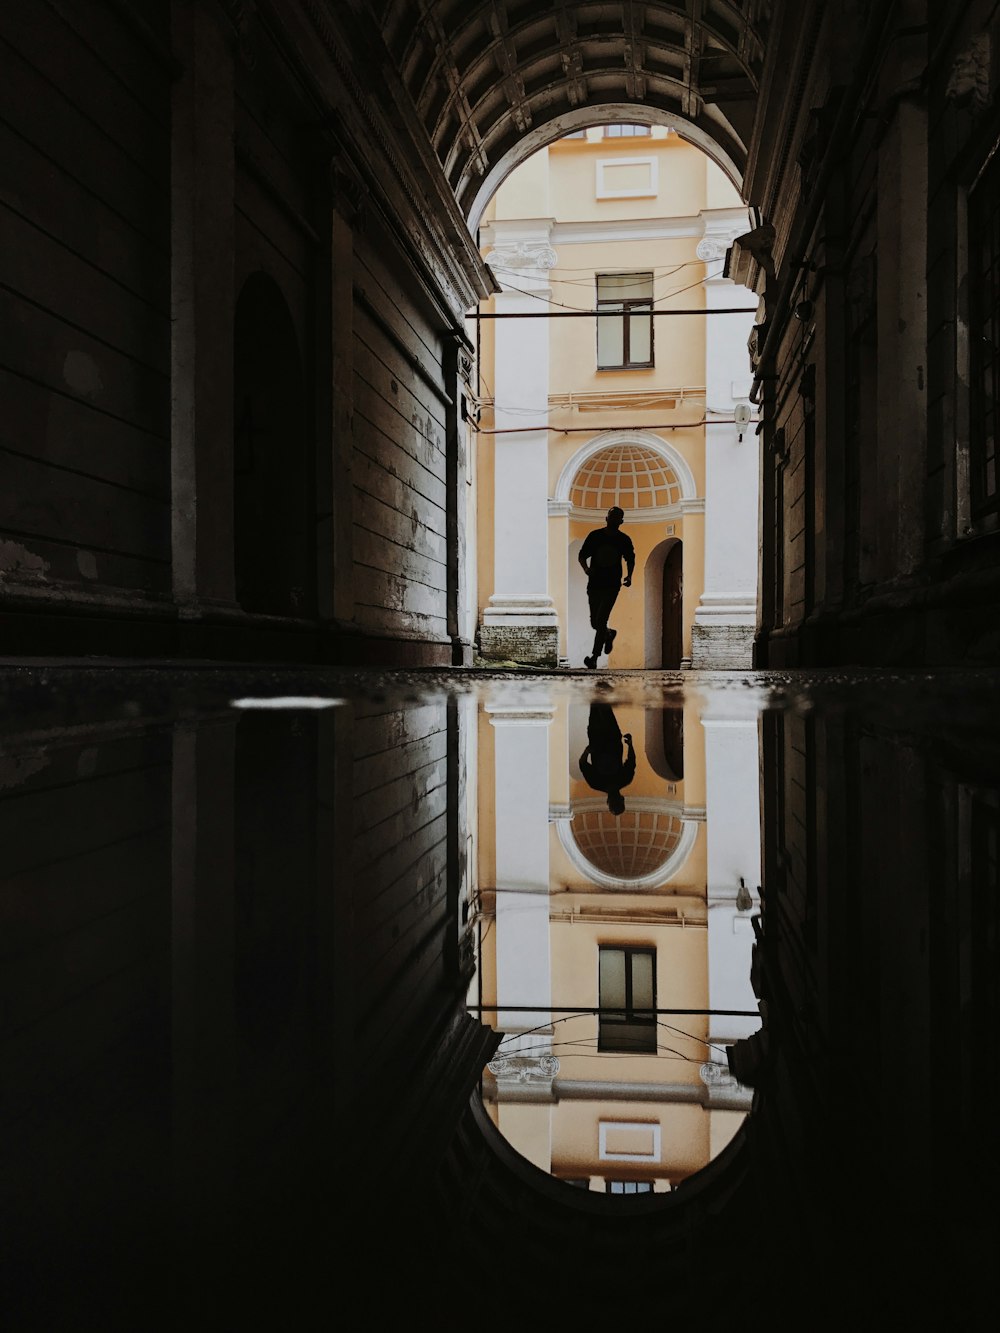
{"points": [[644, 406], [614, 949]]}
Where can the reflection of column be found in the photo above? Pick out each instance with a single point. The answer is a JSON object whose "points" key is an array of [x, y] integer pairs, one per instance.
{"points": [[522, 865], [520, 621], [723, 630], [203, 1017], [732, 803]]}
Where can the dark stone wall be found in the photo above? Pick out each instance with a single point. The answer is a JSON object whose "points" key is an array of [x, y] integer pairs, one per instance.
{"points": [[229, 359], [85, 216]]}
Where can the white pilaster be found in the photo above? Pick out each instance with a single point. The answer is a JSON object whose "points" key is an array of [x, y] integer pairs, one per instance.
{"points": [[724, 622], [520, 621], [523, 952], [732, 826]]}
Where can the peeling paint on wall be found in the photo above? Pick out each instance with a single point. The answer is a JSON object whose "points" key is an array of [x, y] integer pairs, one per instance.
{"points": [[18, 560]]}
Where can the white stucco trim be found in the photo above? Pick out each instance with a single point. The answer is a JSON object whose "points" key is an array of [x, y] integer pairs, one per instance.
{"points": [[645, 439], [605, 189]]}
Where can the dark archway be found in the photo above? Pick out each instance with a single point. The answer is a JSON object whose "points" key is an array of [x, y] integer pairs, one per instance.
{"points": [[272, 488], [673, 609]]}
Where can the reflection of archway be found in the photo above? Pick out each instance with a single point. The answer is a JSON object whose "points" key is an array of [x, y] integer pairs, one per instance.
{"points": [[644, 848], [665, 742], [272, 494]]}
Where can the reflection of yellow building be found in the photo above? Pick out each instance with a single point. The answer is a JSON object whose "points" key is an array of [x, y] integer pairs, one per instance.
{"points": [[590, 922], [636, 408]]}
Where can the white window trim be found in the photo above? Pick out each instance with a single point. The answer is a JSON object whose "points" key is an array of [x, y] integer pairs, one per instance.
{"points": [[642, 192], [606, 1156]]}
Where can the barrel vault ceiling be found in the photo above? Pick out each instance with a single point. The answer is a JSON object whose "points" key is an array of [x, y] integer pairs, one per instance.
{"points": [[492, 80]]}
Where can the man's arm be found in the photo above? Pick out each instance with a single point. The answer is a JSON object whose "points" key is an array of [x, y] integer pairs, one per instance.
{"points": [[629, 563], [583, 553]]}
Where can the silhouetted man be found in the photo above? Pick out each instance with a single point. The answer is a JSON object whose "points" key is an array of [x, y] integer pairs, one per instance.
{"points": [[602, 762], [605, 548]]}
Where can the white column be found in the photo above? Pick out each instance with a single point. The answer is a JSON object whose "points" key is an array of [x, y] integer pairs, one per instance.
{"points": [[724, 623], [520, 621], [732, 826], [523, 952]]}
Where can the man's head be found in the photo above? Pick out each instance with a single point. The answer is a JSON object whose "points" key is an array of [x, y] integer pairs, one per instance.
{"points": [[616, 802], [616, 517]]}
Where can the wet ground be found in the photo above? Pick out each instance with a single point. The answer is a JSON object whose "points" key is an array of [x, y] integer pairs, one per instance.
{"points": [[223, 890]]}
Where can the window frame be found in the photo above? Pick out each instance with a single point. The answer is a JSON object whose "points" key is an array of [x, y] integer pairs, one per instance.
{"points": [[628, 1014], [625, 308], [626, 131], [637, 1186]]}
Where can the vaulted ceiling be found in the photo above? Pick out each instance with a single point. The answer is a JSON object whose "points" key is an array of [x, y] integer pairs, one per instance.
{"points": [[493, 80]]}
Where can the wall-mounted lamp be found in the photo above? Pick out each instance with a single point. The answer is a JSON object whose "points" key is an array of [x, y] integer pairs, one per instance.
{"points": [[741, 415]]}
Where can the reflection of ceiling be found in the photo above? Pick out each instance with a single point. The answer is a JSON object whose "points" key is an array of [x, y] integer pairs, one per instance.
{"points": [[632, 846], [626, 475]]}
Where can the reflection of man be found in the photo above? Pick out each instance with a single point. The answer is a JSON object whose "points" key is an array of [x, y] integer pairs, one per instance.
{"points": [[602, 762], [605, 548]]}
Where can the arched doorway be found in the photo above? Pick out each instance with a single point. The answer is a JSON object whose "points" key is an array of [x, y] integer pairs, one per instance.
{"points": [[672, 624], [272, 491]]}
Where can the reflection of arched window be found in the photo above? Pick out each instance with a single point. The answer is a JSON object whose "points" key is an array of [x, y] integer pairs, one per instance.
{"points": [[272, 491], [631, 846], [643, 848]]}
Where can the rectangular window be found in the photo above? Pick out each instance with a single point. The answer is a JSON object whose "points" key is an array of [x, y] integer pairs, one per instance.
{"points": [[984, 338], [628, 1187], [627, 1000], [625, 131], [624, 320]]}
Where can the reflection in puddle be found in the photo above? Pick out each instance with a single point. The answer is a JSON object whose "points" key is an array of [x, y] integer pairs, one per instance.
{"points": [[614, 933], [297, 965]]}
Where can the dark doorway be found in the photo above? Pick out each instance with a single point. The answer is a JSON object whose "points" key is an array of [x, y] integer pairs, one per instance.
{"points": [[673, 599], [272, 494]]}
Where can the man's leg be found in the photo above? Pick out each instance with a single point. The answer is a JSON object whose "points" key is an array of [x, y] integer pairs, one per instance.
{"points": [[609, 634], [598, 623], [601, 601]]}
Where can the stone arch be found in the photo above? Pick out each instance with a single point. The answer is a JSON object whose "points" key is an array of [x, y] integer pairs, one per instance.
{"points": [[582, 118]]}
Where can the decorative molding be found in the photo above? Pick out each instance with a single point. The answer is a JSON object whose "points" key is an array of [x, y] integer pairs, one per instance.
{"points": [[969, 80], [709, 247], [645, 439], [654, 880], [714, 1075], [605, 190], [536, 1070], [652, 1129], [522, 255]]}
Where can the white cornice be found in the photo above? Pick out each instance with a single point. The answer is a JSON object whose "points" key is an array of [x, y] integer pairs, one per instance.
{"points": [[588, 233]]}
